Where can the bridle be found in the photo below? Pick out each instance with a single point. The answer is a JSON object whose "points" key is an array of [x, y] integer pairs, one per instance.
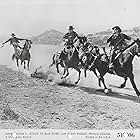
{"points": [[135, 41], [27, 45]]}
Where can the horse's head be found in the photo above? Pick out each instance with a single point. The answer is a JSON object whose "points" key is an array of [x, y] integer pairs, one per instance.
{"points": [[82, 39], [27, 44], [86, 58], [95, 50], [138, 47]]}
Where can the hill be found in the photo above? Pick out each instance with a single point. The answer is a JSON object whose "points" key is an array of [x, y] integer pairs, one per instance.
{"points": [[100, 38], [52, 37]]}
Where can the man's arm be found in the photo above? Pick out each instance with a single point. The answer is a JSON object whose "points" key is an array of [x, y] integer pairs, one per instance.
{"points": [[21, 39], [76, 37], [6, 41], [126, 37], [65, 36], [109, 39]]}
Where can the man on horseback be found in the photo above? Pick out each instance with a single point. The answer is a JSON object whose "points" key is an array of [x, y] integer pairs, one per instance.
{"points": [[70, 38], [118, 44], [15, 42]]}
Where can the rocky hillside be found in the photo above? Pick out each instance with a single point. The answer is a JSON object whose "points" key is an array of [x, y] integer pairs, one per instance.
{"points": [[100, 38], [54, 37], [51, 37]]}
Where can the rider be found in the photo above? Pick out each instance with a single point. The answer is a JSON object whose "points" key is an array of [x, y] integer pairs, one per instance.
{"points": [[14, 41], [70, 38], [117, 43]]}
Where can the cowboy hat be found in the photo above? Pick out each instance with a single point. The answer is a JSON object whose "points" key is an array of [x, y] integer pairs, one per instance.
{"points": [[12, 34], [71, 28], [117, 28]]}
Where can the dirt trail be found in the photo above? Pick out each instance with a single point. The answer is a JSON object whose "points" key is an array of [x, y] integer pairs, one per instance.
{"points": [[28, 103]]}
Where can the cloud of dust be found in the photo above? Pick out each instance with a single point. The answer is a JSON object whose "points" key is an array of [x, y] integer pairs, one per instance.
{"points": [[41, 58]]}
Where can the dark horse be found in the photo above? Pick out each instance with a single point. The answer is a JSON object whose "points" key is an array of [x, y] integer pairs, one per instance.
{"points": [[101, 64], [24, 54], [68, 60]]}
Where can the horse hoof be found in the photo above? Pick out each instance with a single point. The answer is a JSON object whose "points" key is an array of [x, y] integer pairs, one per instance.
{"points": [[106, 91], [122, 86], [62, 77], [76, 82]]}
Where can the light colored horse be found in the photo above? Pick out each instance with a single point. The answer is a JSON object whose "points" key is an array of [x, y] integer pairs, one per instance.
{"points": [[23, 54]]}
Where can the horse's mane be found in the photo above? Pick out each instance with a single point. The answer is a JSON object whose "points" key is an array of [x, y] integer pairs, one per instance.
{"points": [[130, 47], [26, 43]]}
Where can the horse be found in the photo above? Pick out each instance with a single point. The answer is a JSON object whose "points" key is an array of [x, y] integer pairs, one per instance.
{"points": [[88, 58], [125, 71], [68, 58], [56, 61], [23, 54]]}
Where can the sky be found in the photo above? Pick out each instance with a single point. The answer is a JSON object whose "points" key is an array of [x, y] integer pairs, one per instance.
{"points": [[32, 17]]}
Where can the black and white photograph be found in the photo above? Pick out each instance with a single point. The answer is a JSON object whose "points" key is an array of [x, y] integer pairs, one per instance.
{"points": [[70, 65]]}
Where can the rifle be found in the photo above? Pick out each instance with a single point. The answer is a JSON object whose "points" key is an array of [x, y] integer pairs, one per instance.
{"points": [[2, 46]]}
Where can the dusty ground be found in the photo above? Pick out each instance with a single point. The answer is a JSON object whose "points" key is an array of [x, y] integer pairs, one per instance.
{"points": [[29, 103]]}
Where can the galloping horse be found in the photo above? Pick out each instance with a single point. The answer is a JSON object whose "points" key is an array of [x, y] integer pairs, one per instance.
{"points": [[56, 61], [23, 54], [67, 60], [126, 71]]}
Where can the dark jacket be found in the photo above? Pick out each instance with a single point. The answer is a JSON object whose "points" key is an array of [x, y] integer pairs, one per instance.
{"points": [[70, 37], [118, 41], [12, 40]]}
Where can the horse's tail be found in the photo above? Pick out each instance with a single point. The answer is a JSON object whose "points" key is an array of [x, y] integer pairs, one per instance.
{"points": [[13, 56], [53, 59]]}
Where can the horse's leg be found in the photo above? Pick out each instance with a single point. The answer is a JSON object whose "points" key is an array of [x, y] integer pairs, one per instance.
{"points": [[57, 67], [85, 72], [106, 90], [28, 64], [17, 62], [79, 71], [131, 77], [24, 64], [103, 81], [99, 77], [53, 59], [66, 68], [124, 83]]}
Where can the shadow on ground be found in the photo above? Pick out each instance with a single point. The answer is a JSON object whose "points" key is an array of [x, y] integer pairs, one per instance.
{"points": [[111, 94]]}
